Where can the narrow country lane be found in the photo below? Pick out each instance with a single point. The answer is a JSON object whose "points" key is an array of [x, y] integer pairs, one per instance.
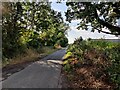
{"points": [[44, 73]]}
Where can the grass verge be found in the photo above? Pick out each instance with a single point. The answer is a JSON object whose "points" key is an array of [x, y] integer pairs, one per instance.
{"points": [[30, 55], [22, 60]]}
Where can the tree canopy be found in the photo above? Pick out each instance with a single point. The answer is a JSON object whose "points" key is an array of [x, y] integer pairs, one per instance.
{"points": [[98, 15], [31, 24]]}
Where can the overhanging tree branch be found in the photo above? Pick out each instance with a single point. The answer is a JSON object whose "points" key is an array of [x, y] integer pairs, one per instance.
{"points": [[112, 28], [107, 32]]}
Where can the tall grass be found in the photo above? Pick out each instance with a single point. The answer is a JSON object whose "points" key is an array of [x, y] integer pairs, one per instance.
{"points": [[29, 55]]}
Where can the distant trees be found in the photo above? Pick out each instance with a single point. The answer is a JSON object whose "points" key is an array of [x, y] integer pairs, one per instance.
{"points": [[98, 15], [31, 24]]}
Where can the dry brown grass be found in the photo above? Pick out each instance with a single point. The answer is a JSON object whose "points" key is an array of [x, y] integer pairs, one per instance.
{"points": [[90, 74], [31, 55], [23, 60]]}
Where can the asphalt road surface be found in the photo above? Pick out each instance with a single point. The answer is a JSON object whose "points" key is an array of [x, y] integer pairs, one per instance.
{"points": [[44, 73]]}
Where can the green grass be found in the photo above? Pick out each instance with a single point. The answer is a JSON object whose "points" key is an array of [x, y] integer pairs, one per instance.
{"points": [[48, 50]]}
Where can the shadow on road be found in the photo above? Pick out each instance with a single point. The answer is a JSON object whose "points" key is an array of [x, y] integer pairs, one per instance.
{"points": [[44, 73]]}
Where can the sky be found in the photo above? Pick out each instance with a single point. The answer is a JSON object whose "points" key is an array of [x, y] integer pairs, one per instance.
{"points": [[73, 32]]}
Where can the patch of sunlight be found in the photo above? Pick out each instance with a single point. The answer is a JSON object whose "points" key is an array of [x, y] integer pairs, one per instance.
{"points": [[41, 62], [55, 61]]}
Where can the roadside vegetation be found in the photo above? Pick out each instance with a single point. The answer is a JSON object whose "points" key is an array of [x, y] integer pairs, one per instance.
{"points": [[30, 55], [92, 64], [30, 30]]}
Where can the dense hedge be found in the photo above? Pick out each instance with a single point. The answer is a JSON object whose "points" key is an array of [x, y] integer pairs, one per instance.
{"points": [[110, 50]]}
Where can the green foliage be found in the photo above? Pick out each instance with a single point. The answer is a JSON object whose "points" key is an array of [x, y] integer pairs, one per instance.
{"points": [[35, 43], [113, 71], [69, 54], [67, 67], [31, 24], [89, 14], [63, 41], [79, 49]]}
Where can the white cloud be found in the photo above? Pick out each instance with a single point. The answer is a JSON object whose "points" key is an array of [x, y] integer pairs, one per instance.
{"points": [[57, 9], [74, 33], [75, 21]]}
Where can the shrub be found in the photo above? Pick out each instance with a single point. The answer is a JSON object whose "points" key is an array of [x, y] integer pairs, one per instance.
{"points": [[69, 54], [111, 50]]}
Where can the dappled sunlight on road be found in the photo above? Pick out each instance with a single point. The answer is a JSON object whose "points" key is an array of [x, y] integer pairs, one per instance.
{"points": [[44, 73], [54, 61], [41, 62]]}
